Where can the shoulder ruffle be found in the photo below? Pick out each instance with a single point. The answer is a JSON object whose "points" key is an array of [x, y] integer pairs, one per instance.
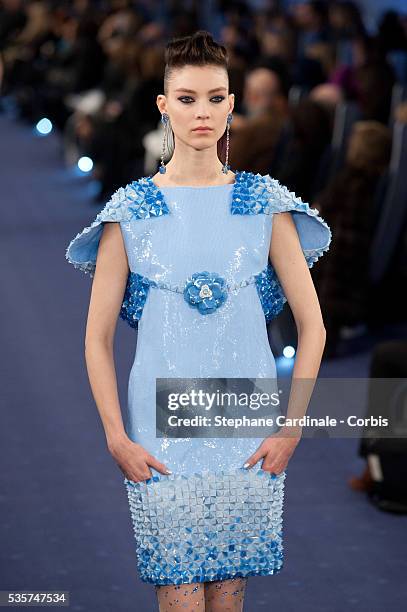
{"points": [[136, 200], [314, 233]]}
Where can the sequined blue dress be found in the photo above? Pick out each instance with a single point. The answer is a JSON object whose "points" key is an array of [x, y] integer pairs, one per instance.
{"points": [[200, 291]]}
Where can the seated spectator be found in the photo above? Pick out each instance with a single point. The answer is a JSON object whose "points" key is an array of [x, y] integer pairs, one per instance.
{"points": [[253, 137], [389, 360], [113, 137], [365, 75], [347, 206], [301, 147], [327, 95]]}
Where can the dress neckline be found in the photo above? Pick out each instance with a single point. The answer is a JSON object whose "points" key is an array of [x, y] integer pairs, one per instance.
{"points": [[164, 195], [241, 197]]}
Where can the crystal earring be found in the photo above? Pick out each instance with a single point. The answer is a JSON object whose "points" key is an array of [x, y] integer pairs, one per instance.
{"points": [[166, 121], [226, 167]]}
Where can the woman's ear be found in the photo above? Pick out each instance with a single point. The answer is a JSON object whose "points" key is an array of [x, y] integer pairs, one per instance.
{"points": [[231, 102], [162, 103]]}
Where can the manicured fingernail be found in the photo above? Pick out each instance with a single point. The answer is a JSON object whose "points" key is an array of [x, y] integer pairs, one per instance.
{"points": [[168, 472], [246, 465]]}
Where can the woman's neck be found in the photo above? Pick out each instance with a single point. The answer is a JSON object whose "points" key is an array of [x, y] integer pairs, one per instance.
{"points": [[201, 178]]}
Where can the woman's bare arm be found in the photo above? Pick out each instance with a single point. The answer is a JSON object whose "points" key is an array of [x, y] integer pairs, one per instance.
{"points": [[295, 278], [107, 293], [288, 260]]}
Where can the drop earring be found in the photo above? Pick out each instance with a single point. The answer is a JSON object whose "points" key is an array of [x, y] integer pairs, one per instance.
{"points": [[226, 167], [166, 121]]}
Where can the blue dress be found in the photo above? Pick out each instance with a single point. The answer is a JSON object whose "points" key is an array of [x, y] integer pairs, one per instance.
{"points": [[200, 291]]}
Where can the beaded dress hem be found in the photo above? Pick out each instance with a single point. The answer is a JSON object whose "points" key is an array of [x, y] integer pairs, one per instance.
{"points": [[205, 526]]}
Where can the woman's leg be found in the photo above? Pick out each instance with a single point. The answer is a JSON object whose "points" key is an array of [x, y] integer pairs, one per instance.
{"points": [[184, 597], [225, 595]]}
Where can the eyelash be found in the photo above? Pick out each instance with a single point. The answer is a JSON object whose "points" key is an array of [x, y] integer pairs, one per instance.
{"points": [[182, 98]]}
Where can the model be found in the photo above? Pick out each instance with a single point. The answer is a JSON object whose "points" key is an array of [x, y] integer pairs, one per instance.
{"points": [[186, 258]]}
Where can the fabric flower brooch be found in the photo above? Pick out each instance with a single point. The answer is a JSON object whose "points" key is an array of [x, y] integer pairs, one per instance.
{"points": [[206, 291]]}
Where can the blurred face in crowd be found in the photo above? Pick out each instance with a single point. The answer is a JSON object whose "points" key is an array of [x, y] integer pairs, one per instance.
{"points": [[338, 17], [262, 88], [305, 16], [197, 96]]}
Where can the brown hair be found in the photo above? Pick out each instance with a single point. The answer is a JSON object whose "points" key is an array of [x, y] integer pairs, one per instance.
{"points": [[369, 146], [198, 49]]}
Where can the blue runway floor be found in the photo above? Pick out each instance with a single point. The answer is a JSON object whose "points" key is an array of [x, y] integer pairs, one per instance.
{"points": [[64, 518]]}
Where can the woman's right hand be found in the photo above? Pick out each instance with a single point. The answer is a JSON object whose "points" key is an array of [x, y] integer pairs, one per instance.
{"points": [[134, 460]]}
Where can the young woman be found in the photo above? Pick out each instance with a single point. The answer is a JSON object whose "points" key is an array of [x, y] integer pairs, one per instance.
{"points": [[186, 257]]}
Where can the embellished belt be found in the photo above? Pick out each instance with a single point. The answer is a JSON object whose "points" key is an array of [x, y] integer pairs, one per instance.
{"points": [[205, 291]]}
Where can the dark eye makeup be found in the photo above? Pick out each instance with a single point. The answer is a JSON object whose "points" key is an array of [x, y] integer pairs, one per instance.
{"points": [[182, 99]]}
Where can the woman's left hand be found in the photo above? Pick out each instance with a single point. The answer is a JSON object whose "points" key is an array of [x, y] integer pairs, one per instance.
{"points": [[276, 450]]}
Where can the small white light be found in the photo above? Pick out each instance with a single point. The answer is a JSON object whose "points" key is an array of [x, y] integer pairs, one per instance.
{"points": [[44, 126], [289, 352], [85, 164]]}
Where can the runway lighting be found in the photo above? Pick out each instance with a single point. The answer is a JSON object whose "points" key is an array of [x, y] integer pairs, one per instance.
{"points": [[44, 126], [285, 362], [289, 352], [85, 164]]}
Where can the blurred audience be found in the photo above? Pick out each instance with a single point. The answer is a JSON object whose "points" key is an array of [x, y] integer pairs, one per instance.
{"points": [[388, 360], [348, 206], [301, 77], [302, 144], [255, 134]]}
